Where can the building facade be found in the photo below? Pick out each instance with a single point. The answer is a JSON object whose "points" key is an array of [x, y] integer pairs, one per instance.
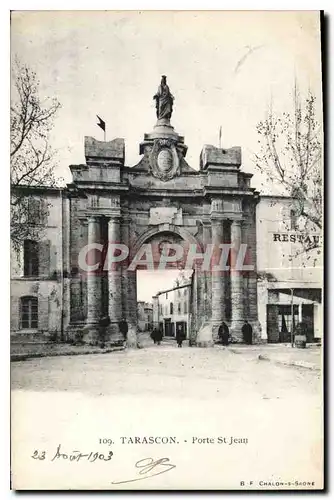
{"points": [[40, 280], [145, 316], [172, 310], [114, 219], [290, 272]]}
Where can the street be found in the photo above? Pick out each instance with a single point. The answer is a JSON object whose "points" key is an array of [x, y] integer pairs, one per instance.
{"points": [[274, 411]]}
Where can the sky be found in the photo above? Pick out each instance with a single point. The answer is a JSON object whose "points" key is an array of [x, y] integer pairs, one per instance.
{"points": [[110, 64], [224, 68], [151, 282]]}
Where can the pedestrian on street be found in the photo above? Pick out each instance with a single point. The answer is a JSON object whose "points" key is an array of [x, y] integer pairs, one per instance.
{"points": [[103, 324], [123, 328], [223, 333], [154, 335], [247, 333], [180, 336], [158, 336]]}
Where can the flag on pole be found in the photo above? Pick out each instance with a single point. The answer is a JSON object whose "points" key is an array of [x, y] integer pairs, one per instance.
{"points": [[101, 123]]}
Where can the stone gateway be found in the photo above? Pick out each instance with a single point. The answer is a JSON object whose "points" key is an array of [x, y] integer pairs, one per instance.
{"points": [[207, 217], [162, 198]]}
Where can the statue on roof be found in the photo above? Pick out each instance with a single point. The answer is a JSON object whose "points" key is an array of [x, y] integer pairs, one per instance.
{"points": [[164, 100]]}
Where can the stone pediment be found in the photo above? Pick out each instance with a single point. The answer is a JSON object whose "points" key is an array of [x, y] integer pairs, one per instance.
{"points": [[104, 151], [164, 154], [185, 167], [144, 166]]}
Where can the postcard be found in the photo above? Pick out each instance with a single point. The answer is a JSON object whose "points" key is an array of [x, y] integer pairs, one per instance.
{"points": [[166, 250]]}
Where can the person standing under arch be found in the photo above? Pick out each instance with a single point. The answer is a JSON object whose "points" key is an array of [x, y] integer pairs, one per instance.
{"points": [[247, 333], [223, 333]]}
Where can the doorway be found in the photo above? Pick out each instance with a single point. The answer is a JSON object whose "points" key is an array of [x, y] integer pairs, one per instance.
{"points": [[181, 326], [169, 328]]}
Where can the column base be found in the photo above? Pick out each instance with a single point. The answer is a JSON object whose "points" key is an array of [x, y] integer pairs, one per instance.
{"points": [[215, 327], [257, 333], [132, 341], [113, 336], [204, 336], [235, 331], [91, 334]]}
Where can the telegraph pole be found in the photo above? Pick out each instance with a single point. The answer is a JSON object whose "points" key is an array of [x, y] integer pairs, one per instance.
{"points": [[292, 343]]}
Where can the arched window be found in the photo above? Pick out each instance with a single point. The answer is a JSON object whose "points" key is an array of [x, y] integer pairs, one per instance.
{"points": [[29, 312], [31, 258]]}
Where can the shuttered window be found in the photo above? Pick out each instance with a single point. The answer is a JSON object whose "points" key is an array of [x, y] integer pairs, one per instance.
{"points": [[31, 258], [29, 312]]}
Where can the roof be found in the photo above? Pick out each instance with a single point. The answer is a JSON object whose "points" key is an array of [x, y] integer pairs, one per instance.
{"points": [[286, 197], [38, 189]]}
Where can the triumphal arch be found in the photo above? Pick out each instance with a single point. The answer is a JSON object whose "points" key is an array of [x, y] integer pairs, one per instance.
{"points": [[161, 201]]}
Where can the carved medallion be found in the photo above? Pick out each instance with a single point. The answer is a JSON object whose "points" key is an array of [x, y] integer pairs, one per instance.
{"points": [[164, 160]]}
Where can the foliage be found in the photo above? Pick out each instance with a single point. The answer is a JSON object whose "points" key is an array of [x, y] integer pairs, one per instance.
{"points": [[32, 158], [290, 157]]}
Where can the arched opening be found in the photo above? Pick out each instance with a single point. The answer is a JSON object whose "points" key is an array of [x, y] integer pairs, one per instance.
{"points": [[163, 284]]}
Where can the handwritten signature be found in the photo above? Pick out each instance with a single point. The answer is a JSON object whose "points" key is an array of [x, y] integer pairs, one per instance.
{"points": [[147, 465]]}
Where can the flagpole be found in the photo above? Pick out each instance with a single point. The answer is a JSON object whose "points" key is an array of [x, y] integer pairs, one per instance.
{"points": [[105, 133]]}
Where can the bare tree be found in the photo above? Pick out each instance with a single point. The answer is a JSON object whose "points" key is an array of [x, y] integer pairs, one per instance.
{"points": [[32, 158], [290, 157]]}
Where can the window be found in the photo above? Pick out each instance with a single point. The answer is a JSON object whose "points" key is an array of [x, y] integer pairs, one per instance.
{"points": [[35, 211], [171, 308], [29, 312], [31, 258], [185, 292], [185, 308], [293, 218], [179, 308]]}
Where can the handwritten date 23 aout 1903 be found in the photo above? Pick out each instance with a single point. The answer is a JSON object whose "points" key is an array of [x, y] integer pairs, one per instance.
{"points": [[74, 456]]}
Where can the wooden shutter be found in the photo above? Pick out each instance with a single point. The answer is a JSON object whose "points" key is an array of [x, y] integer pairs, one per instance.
{"points": [[44, 258]]}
